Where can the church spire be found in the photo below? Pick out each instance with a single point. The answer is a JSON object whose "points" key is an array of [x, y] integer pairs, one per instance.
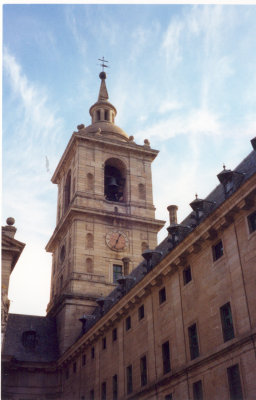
{"points": [[103, 93]]}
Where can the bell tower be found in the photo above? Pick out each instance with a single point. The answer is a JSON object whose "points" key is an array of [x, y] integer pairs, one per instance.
{"points": [[105, 215]]}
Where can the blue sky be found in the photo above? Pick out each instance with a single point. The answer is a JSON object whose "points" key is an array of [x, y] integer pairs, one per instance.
{"points": [[182, 76]]}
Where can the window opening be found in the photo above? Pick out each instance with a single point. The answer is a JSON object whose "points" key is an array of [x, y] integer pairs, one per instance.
{"points": [[197, 390], [234, 381], [114, 334], [143, 371], [117, 272], [129, 379], [67, 191], [113, 184], [193, 341], [162, 295], [128, 323], [104, 343], [252, 222], [166, 357], [187, 277], [141, 312], [217, 250], [115, 387], [227, 323], [103, 391]]}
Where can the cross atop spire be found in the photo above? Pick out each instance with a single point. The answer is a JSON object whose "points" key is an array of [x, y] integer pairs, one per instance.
{"points": [[103, 63]]}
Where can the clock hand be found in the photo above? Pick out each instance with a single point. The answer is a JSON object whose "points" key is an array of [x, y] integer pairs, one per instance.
{"points": [[117, 240]]}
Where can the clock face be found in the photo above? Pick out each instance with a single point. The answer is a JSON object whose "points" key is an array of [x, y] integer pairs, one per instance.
{"points": [[117, 240]]}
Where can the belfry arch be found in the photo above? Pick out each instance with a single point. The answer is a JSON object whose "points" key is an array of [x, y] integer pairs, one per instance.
{"points": [[115, 180]]}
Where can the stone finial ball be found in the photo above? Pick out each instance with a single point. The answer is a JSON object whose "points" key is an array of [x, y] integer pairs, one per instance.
{"points": [[10, 221], [146, 142], [103, 75], [81, 126]]}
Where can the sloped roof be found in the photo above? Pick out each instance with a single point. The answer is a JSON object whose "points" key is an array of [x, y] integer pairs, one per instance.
{"points": [[46, 348]]}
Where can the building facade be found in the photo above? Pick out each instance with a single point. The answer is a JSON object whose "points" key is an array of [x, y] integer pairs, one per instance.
{"points": [[128, 319]]}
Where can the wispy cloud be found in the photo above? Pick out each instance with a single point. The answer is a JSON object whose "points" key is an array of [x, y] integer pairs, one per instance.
{"points": [[27, 193]]}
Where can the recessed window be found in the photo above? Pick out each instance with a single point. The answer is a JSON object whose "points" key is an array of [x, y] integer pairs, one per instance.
{"points": [[92, 352], [234, 381], [168, 396], [92, 394], [67, 373], [227, 323], [114, 334], [128, 323], [252, 222], [217, 250], [98, 115], [162, 295], [193, 341], [83, 359], [166, 357], [143, 371], [117, 272], [197, 390], [106, 115], [104, 343], [187, 277], [141, 312], [115, 387], [103, 391], [74, 367], [129, 379]]}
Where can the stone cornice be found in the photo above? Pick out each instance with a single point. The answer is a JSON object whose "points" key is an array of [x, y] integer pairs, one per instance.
{"points": [[220, 219], [74, 211]]}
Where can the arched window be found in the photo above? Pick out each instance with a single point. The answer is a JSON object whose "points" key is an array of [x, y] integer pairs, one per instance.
{"points": [[106, 115], [89, 241], [144, 246], [89, 265], [67, 191], [114, 180], [98, 115], [142, 191], [90, 181]]}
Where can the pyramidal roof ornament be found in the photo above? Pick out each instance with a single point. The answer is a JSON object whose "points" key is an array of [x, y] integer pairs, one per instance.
{"points": [[103, 93]]}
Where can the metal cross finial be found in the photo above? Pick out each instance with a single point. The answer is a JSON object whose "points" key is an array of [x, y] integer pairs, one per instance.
{"points": [[224, 167], [103, 63]]}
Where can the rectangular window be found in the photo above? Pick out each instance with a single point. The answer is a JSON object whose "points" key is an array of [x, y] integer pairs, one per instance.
{"points": [[193, 341], [162, 295], [67, 373], [252, 222], [114, 334], [83, 359], [92, 352], [168, 396], [143, 371], [197, 390], [104, 343], [141, 312], [117, 272], [227, 323], [187, 275], [129, 379], [92, 394], [166, 357], [128, 323], [115, 387], [74, 367], [217, 250], [103, 391], [234, 382]]}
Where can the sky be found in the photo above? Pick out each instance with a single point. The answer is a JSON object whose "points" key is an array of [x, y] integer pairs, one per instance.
{"points": [[182, 76]]}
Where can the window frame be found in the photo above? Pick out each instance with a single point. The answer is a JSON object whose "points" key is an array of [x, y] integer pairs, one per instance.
{"points": [[129, 383], [128, 323], [143, 371], [251, 224], [185, 277], [166, 357], [141, 312], [117, 275]]}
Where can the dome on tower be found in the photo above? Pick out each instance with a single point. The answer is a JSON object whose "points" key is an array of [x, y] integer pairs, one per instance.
{"points": [[103, 115]]}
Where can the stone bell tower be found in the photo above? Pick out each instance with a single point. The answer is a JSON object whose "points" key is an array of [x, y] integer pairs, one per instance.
{"points": [[105, 215]]}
